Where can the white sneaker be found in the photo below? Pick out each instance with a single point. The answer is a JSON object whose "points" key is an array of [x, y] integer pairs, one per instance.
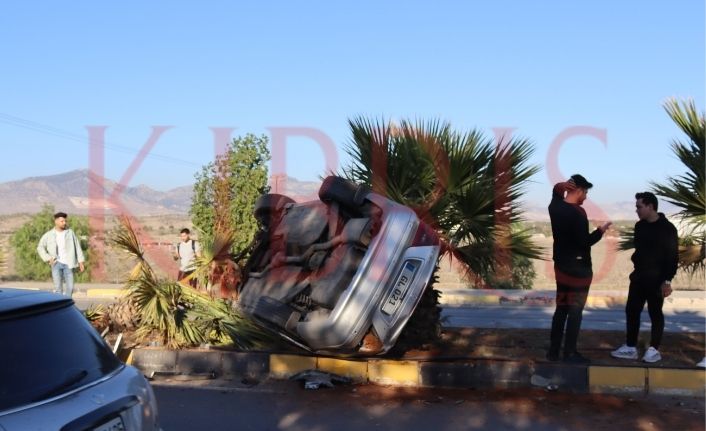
{"points": [[702, 364], [652, 355], [624, 352]]}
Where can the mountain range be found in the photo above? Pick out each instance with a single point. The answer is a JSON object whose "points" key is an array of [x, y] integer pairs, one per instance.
{"points": [[69, 192]]}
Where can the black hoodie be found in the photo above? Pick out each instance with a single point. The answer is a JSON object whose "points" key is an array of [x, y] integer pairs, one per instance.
{"points": [[572, 241], [656, 250]]}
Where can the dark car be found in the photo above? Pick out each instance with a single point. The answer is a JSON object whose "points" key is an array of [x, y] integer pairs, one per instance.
{"points": [[57, 373], [335, 273]]}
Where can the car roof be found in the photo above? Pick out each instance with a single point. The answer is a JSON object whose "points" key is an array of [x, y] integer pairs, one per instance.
{"points": [[15, 300]]}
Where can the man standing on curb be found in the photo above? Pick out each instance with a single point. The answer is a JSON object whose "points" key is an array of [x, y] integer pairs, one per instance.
{"points": [[61, 249], [186, 252], [572, 264], [655, 261]]}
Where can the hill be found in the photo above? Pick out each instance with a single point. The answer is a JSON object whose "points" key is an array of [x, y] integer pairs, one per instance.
{"points": [[69, 192]]}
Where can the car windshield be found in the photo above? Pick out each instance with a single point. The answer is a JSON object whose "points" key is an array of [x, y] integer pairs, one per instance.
{"points": [[45, 354]]}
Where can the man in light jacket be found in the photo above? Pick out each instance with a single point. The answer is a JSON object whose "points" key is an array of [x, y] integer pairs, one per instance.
{"points": [[61, 249]]}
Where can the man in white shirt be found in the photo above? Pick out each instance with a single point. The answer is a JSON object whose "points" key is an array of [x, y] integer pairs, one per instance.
{"points": [[186, 252], [61, 249]]}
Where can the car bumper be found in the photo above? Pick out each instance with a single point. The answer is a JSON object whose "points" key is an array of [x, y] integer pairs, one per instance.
{"points": [[366, 302], [124, 395]]}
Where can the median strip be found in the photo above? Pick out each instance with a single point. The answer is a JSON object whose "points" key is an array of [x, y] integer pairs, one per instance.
{"points": [[466, 373]]}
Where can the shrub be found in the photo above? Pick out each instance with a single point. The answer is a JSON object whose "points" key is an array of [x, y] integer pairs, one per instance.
{"points": [[28, 264]]}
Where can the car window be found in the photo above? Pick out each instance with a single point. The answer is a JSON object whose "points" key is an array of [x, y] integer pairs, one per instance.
{"points": [[45, 354]]}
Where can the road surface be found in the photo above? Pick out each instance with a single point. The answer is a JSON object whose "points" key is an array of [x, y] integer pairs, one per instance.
{"points": [[531, 316], [287, 406]]}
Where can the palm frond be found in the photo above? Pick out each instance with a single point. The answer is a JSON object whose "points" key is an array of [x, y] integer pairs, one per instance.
{"points": [[221, 322], [627, 239], [462, 184], [692, 253], [125, 239], [163, 310], [688, 190], [215, 269], [178, 314], [94, 312], [211, 249]]}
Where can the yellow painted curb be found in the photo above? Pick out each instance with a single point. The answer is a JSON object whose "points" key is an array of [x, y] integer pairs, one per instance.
{"points": [[356, 370], [104, 292], [679, 380], [606, 379], [129, 359], [289, 365], [397, 373]]}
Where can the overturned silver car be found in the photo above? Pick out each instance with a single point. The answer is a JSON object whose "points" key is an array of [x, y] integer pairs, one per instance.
{"points": [[338, 275]]}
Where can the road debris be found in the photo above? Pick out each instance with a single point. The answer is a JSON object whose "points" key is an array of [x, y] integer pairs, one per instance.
{"points": [[315, 379]]}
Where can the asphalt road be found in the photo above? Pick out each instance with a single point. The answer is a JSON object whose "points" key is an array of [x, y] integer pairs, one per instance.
{"points": [[287, 406], [518, 316], [508, 316]]}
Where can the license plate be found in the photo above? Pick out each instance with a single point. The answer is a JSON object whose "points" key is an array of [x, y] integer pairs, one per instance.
{"points": [[397, 294], [112, 425]]}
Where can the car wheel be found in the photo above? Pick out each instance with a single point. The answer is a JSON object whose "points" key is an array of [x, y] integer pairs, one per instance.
{"points": [[342, 191], [268, 206]]}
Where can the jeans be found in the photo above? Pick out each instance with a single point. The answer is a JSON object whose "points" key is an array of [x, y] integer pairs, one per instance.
{"points": [[63, 277], [572, 285]]}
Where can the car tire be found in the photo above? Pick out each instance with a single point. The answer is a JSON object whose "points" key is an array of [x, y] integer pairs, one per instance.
{"points": [[342, 191], [268, 206]]}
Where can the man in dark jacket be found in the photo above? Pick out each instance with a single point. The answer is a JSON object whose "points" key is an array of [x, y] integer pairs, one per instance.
{"points": [[655, 261], [572, 264]]}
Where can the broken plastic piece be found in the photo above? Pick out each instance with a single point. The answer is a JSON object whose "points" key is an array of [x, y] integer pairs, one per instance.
{"points": [[315, 379]]}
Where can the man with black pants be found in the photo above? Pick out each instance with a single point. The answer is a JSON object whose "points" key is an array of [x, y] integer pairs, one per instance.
{"points": [[655, 261], [572, 264]]}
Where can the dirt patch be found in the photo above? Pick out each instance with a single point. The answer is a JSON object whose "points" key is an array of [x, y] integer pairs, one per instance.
{"points": [[678, 349]]}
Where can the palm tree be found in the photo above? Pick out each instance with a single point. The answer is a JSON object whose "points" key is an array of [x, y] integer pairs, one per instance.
{"points": [[687, 191], [175, 312], [465, 186], [216, 271]]}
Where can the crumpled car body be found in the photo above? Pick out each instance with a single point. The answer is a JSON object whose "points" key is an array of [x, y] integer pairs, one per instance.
{"points": [[340, 275]]}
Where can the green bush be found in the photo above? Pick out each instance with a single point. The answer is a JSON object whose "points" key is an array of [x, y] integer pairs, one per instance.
{"points": [[3, 262], [226, 190], [522, 275], [28, 264]]}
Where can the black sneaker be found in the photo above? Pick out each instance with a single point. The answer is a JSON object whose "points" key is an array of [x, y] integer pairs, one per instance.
{"points": [[552, 356], [576, 358]]}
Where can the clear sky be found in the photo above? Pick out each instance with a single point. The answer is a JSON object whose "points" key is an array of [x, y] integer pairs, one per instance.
{"points": [[539, 67]]}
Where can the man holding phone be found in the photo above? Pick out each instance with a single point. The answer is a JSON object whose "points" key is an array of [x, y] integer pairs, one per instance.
{"points": [[572, 264]]}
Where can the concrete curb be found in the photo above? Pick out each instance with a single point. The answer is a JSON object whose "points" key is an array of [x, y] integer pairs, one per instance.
{"points": [[466, 373]]}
